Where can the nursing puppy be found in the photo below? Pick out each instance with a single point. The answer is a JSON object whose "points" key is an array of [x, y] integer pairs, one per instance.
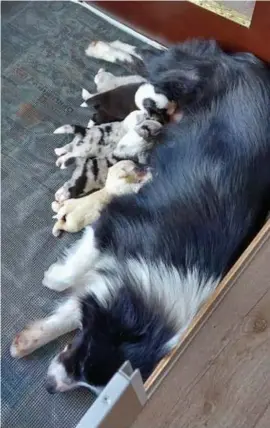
{"points": [[113, 105], [75, 214], [97, 148], [141, 274], [106, 81]]}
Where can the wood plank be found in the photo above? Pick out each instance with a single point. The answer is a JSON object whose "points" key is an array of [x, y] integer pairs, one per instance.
{"points": [[222, 376], [169, 21]]}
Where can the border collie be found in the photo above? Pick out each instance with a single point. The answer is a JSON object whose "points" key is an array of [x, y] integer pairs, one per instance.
{"points": [[141, 274]]}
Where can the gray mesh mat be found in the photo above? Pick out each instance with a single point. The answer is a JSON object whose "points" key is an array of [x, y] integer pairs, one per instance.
{"points": [[43, 70]]}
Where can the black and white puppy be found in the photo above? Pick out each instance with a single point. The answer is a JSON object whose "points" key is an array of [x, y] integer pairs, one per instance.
{"points": [[141, 274]]}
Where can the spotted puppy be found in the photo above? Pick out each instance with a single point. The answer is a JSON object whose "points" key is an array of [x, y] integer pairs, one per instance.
{"points": [[74, 214], [94, 157], [98, 141]]}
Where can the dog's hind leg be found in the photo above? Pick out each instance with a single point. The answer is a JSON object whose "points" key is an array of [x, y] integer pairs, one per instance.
{"points": [[70, 271], [66, 318]]}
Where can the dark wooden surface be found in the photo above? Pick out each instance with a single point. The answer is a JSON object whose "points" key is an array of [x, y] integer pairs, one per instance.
{"points": [[168, 21]]}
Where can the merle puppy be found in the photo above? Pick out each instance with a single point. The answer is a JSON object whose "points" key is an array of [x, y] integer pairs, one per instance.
{"points": [[138, 278]]}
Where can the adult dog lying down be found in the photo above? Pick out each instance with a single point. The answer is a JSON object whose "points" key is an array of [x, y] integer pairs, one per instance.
{"points": [[140, 276]]}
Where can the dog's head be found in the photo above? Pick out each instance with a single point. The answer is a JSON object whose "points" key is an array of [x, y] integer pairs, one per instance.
{"points": [[117, 325], [182, 75]]}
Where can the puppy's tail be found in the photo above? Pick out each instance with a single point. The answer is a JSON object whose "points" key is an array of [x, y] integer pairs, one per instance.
{"points": [[71, 129]]}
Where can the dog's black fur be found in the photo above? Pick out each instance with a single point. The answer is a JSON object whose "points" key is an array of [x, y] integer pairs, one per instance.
{"points": [[209, 196]]}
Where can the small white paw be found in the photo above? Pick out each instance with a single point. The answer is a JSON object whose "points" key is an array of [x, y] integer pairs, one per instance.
{"points": [[65, 129], [27, 341], [84, 104], [55, 277], [62, 194], [86, 95], [55, 206], [96, 49], [56, 232], [90, 124], [61, 161], [59, 151]]}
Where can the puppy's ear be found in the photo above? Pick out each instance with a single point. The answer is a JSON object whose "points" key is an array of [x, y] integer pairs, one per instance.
{"points": [[149, 128]]}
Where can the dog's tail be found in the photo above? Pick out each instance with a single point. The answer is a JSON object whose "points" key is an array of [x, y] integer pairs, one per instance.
{"points": [[71, 129]]}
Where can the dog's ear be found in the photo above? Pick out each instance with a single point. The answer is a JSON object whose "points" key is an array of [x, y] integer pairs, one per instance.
{"points": [[148, 129]]}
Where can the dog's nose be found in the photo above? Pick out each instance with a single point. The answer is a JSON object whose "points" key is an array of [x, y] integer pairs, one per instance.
{"points": [[51, 385]]}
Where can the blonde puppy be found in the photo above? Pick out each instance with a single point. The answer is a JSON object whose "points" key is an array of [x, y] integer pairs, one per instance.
{"points": [[74, 214]]}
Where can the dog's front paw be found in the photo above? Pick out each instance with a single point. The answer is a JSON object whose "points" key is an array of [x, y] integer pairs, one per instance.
{"points": [[55, 278], [62, 194], [27, 341]]}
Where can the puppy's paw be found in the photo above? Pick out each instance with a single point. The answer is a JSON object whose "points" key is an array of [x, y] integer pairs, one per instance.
{"points": [[65, 129], [97, 49], [56, 231], [55, 278], [62, 194], [86, 95], [61, 161], [90, 124], [60, 151], [28, 340], [56, 206]]}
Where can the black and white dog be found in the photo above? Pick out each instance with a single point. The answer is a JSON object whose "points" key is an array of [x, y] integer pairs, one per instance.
{"points": [[141, 274]]}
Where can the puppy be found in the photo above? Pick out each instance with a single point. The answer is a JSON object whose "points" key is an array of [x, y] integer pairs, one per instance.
{"points": [[106, 81], [98, 141], [74, 214], [113, 105], [99, 147]]}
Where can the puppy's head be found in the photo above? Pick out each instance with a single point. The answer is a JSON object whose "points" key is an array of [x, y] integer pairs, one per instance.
{"points": [[126, 177], [154, 102], [138, 140]]}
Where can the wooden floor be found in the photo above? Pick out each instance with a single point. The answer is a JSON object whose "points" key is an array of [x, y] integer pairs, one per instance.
{"points": [[222, 378]]}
